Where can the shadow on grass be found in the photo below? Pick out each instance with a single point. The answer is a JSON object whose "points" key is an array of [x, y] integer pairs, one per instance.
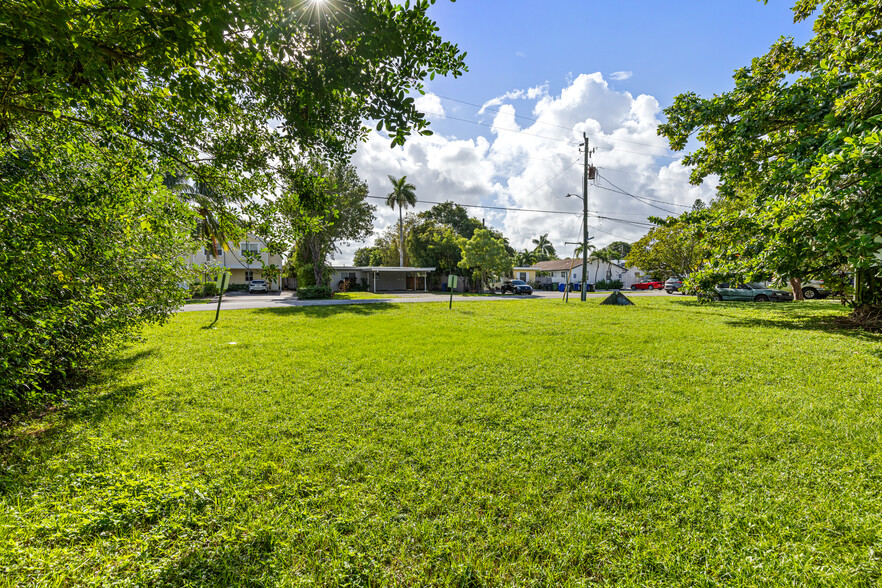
{"points": [[359, 308], [41, 434], [798, 316]]}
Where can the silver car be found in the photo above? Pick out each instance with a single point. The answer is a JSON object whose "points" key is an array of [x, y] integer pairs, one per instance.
{"points": [[257, 286]]}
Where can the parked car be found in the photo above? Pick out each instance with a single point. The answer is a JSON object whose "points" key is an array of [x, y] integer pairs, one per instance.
{"points": [[516, 287], [673, 284], [751, 292], [257, 286], [648, 285], [815, 289]]}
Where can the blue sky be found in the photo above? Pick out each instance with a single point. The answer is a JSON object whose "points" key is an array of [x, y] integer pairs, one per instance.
{"points": [[544, 73]]}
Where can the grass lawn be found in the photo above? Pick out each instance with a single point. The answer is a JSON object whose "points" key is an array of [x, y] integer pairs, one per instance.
{"points": [[498, 444]]}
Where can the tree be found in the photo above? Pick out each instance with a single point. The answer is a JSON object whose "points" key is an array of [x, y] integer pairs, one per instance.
{"points": [[402, 195], [667, 250], [364, 256], [87, 259], [486, 254], [216, 224], [454, 216], [797, 145], [339, 197], [525, 258], [544, 250], [317, 70], [430, 244], [619, 249]]}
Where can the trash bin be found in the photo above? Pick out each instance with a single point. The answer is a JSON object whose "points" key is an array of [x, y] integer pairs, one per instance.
{"points": [[444, 287], [561, 287]]}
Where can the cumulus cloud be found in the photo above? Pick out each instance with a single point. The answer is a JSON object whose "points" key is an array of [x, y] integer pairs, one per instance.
{"points": [[430, 105], [620, 75], [530, 159], [528, 94]]}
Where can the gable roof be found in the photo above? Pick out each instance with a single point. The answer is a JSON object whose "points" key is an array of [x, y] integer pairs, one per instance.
{"points": [[557, 264]]}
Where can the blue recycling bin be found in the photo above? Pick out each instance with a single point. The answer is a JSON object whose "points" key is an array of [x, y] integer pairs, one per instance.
{"points": [[561, 287], [444, 287]]}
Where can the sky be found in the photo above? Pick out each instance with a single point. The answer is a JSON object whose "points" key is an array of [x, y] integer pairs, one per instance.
{"points": [[507, 133]]}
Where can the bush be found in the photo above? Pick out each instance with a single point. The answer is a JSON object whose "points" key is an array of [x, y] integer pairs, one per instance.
{"points": [[609, 285], [209, 289], [314, 293], [237, 288], [91, 251]]}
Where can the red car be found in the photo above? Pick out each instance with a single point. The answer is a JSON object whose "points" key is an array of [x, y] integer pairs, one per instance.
{"points": [[649, 285]]}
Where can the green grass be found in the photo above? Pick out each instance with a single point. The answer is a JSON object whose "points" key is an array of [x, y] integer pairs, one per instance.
{"points": [[498, 444]]}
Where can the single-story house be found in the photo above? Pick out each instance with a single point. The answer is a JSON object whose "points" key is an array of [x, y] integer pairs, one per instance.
{"points": [[382, 279], [557, 270]]}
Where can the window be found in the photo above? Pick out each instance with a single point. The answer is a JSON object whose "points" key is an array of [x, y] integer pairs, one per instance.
{"points": [[251, 248], [249, 275], [563, 274], [214, 252], [522, 276]]}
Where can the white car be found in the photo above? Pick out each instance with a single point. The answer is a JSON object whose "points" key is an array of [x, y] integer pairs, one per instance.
{"points": [[257, 286]]}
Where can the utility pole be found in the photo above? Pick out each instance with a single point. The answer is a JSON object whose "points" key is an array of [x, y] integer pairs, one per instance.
{"points": [[589, 174]]}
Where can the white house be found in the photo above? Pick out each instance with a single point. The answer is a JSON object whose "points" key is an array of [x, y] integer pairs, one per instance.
{"points": [[242, 259], [597, 270]]}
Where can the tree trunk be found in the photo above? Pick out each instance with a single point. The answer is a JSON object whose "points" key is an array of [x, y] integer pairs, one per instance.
{"points": [[796, 284], [400, 237]]}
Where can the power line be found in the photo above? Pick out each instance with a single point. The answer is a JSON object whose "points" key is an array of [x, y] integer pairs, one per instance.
{"points": [[644, 200], [512, 209], [552, 178]]}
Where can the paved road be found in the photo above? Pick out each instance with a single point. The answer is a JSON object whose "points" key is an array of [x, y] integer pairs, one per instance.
{"points": [[237, 300]]}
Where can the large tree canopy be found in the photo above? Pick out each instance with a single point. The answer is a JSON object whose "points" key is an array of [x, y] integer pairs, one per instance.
{"points": [[797, 145], [195, 78]]}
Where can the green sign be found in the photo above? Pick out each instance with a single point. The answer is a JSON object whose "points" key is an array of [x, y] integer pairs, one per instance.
{"points": [[223, 281], [451, 281]]}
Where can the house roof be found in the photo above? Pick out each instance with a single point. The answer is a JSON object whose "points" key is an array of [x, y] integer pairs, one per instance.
{"points": [[564, 264], [557, 264], [381, 268]]}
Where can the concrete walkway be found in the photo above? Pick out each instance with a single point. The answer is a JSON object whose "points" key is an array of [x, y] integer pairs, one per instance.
{"points": [[237, 300]]}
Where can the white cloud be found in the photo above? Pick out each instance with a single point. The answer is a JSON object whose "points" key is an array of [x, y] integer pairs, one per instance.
{"points": [[620, 75], [532, 163], [430, 105]]}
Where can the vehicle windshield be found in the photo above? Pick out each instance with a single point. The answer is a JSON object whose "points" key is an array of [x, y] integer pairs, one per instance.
{"points": [[755, 286], [518, 283]]}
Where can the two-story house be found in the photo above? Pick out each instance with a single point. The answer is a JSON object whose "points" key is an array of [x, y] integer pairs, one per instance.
{"points": [[242, 259]]}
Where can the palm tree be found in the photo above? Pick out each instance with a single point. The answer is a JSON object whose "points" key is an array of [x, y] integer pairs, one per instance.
{"points": [[403, 195], [215, 221], [544, 249]]}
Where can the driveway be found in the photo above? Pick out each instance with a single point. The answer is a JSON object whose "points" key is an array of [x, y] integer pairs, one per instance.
{"points": [[241, 300]]}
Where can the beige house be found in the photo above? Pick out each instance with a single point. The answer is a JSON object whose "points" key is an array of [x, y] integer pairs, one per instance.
{"points": [[244, 260]]}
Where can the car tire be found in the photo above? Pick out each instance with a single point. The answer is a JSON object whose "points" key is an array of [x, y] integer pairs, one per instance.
{"points": [[716, 297], [633, 287], [761, 298], [809, 293], [669, 291], [651, 288]]}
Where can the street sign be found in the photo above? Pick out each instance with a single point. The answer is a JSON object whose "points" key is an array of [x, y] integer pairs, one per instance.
{"points": [[451, 284]]}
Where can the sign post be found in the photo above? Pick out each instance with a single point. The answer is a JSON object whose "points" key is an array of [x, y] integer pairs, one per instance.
{"points": [[222, 282], [451, 284]]}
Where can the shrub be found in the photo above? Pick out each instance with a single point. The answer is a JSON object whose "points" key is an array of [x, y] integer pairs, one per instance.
{"points": [[609, 285], [209, 289], [314, 293], [91, 251]]}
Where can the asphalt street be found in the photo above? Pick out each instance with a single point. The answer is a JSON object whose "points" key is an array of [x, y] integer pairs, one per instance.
{"points": [[237, 300]]}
